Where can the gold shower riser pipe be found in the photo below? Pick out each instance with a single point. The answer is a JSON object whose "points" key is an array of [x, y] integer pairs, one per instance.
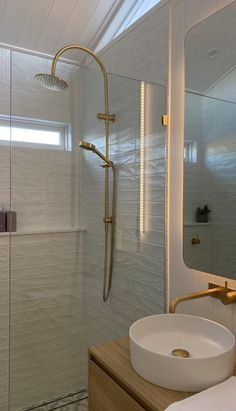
{"points": [[54, 83], [102, 116]]}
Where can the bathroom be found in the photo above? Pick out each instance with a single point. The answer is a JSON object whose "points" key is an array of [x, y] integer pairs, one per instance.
{"points": [[67, 284]]}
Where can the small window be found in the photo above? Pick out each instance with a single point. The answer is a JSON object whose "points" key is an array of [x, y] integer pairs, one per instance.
{"points": [[35, 133], [190, 152]]}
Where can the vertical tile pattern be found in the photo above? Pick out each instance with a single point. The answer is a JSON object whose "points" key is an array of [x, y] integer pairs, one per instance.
{"points": [[4, 240], [47, 346], [138, 276], [47, 335]]}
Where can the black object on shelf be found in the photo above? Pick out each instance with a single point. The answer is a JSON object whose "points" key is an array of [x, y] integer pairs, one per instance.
{"points": [[2, 221], [202, 214]]}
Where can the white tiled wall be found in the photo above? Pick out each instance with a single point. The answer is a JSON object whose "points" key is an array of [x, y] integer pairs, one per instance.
{"points": [[47, 335], [4, 241], [138, 282], [138, 276], [47, 299], [184, 15]]}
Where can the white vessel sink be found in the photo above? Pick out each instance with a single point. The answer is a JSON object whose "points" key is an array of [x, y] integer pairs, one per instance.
{"points": [[210, 347]]}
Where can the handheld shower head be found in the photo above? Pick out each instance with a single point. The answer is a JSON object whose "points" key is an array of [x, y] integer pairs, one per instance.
{"points": [[87, 146], [51, 82], [91, 147]]}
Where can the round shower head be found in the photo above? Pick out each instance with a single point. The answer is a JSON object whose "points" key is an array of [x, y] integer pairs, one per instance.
{"points": [[51, 82]]}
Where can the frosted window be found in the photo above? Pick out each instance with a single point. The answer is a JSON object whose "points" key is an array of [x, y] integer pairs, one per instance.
{"points": [[32, 133]]}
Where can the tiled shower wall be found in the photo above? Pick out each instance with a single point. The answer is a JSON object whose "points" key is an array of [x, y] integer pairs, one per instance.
{"points": [[138, 276], [47, 344], [47, 280], [4, 240]]}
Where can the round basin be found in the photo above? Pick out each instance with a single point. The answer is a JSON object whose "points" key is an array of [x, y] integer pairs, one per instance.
{"points": [[181, 352]]}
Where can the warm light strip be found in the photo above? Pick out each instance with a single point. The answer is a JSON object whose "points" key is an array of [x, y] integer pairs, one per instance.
{"points": [[142, 135]]}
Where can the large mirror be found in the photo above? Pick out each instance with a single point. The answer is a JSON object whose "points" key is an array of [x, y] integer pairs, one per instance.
{"points": [[210, 145]]}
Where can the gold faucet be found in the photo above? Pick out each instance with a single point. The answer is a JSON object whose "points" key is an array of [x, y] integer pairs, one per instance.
{"points": [[224, 294]]}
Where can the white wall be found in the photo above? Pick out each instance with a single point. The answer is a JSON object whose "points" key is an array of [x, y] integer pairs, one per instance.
{"points": [[184, 15]]}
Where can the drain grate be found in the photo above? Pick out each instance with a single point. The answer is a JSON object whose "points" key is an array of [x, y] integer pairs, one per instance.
{"points": [[59, 402]]}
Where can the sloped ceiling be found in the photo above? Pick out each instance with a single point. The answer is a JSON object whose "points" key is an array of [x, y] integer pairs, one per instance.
{"points": [[46, 25], [141, 52]]}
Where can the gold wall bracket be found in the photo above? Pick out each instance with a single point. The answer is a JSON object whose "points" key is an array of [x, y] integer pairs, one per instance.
{"points": [[105, 165], [165, 120], [108, 220], [106, 117]]}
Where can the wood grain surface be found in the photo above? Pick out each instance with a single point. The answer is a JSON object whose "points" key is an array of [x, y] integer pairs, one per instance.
{"points": [[113, 358]]}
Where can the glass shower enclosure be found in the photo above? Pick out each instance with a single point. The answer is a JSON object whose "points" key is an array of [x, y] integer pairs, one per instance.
{"points": [[52, 261]]}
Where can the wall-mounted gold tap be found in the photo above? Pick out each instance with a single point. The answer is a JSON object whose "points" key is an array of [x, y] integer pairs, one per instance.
{"points": [[224, 294]]}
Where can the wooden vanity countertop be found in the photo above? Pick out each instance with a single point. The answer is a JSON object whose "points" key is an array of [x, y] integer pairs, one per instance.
{"points": [[114, 358]]}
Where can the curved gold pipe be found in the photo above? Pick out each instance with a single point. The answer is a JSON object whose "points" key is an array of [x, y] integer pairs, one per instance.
{"points": [[107, 118], [194, 296]]}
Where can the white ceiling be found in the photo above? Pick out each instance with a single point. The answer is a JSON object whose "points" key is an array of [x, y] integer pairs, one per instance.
{"points": [[47, 25]]}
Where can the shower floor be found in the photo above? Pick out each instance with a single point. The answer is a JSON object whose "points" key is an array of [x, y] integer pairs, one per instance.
{"points": [[72, 402], [79, 406]]}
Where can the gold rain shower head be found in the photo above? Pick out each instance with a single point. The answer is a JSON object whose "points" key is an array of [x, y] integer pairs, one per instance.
{"points": [[51, 82]]}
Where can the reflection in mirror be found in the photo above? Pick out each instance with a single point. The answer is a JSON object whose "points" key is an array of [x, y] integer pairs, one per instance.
{"points": [[210, 145]]}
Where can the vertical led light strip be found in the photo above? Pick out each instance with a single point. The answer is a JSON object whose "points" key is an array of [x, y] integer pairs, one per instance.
{"points": [[142, 136]]}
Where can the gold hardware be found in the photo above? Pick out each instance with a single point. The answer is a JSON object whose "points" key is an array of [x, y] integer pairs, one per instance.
{"points": [[228, 296], [108, 265], [108, 220], [106, 117], [165, 120], [196, 240], [224, 294], [180, 352], [193, 296], [106, 165]]}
